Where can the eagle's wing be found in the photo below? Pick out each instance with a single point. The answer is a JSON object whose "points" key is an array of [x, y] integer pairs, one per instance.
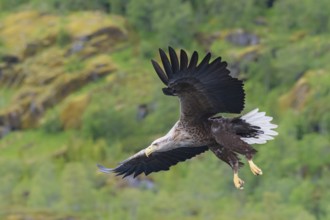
{"points": [[204, 89], [157, 161]]}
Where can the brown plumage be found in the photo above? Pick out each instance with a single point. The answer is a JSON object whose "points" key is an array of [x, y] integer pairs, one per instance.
{"points": [[204, 90]]}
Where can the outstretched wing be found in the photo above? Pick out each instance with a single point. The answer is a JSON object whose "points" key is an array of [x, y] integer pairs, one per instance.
{"points": [[157, 161], [204, 89]]}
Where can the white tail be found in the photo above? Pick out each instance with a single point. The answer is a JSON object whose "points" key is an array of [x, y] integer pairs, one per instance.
{"points": [[262, 121]]}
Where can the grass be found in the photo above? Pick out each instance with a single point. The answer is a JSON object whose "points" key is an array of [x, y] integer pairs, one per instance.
{"points": [[33, 145], [6, 95]]}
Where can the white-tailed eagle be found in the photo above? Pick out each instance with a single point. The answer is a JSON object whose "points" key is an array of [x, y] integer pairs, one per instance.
{"points": [[204, 90]]}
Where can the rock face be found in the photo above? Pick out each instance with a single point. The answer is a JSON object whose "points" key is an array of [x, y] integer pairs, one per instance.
{"points": [[247, 48], [242, 58], [242, 38], [298, 95], [72, 113], [238, 37], [305, 90], [49, 57]]}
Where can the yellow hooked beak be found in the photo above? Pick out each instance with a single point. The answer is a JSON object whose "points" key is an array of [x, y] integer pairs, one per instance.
{"points": [[149, 150]]}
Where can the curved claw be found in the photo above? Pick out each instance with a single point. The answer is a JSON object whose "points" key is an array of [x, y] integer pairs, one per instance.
{"points": [[104, 169], [254, 168], [239, 183]]}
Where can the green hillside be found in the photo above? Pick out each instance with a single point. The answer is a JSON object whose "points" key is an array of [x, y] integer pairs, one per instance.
{"points": [[77, 88]]}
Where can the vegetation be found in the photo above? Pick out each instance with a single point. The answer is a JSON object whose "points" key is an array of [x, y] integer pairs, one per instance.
{"points": [[48, 164]]}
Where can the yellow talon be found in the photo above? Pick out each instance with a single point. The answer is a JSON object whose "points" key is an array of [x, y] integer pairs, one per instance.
{"points": [[254, 168], [149, 150], [238, 182]]}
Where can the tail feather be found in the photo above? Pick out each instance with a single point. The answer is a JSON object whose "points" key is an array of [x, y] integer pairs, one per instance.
{"points": [[263, 125]]}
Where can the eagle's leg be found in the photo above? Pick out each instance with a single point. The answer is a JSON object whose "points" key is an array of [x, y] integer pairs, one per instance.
{"points": [[232, 159], [238, 182], [254, 168]]}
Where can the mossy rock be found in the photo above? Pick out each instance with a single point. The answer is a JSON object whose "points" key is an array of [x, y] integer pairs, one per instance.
{"points": [[248, 54], [298, 36], [39, 30], [11, 117], [46, 72], [240, 37], [29, 120], [301, 93], [73, 111]]}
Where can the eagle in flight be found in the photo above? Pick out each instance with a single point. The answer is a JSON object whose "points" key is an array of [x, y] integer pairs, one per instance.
{"points": [[204, 90]]}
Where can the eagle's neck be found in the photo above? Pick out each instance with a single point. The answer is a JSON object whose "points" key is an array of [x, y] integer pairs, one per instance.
{"points": [[177, 137]]}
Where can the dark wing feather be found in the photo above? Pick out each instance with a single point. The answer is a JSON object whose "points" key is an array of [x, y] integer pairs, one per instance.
{"points": [[183, 60], [174, 60], [160, 72], [205, 62], [140, 163], [166, 63], [193, 61], [205, 89]]}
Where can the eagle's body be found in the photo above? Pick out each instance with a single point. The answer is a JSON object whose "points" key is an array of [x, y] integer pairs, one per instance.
{"points": [[183, 135], [204, 90]]}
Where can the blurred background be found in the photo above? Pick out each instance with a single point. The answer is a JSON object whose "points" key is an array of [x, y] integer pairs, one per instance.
{"points": [[77, 88]]}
